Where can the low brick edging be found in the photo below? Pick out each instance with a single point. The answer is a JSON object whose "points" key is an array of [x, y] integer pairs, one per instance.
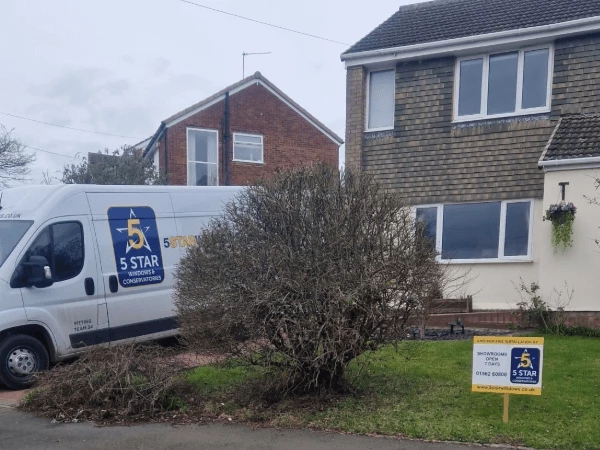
{"points": [[590, 319], [493, 319], [510, 318]]}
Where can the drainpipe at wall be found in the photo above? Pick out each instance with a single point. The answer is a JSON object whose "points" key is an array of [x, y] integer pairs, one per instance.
{"points": [[226, 140], [166, 157]]}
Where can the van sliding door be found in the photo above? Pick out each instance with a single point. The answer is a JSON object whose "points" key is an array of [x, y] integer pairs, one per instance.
{"points": [[137, 273]]}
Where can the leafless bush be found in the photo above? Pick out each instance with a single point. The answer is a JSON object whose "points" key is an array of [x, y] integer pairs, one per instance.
{"points": [[14, 162], [446, 285], [427, 304], [303, 274], [545, 313], [126, 381]]}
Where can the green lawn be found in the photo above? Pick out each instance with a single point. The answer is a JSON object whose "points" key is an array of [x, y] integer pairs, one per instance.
{"points": [[429, 397]]}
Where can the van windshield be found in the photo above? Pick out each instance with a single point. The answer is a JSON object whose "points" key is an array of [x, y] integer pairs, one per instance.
{"points": [[11, 232]]}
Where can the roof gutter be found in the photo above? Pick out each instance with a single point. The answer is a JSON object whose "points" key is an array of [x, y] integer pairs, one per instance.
{"points": [[464, 44], [155, 138], [570, 163]]}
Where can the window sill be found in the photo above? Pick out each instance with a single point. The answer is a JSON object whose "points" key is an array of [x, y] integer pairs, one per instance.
{"points": [[256, 163], [373, 130], [487, 261], [530, 112]]}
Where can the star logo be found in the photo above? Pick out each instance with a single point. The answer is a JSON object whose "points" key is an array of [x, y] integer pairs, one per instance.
{"points": [[525, 360], [137, 236]]}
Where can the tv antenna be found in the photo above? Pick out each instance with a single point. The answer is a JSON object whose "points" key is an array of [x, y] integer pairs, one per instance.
{"points": [[244, 54]]}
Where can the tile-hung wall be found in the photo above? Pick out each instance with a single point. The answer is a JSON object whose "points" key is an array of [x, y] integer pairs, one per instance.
{"points": [[430, 155], [484, 169]]}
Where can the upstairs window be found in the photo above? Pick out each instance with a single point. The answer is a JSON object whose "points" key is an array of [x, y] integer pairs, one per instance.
{"points": [[247, 148], [503, 84], [479, 232], [202, 154], [381, 100]]}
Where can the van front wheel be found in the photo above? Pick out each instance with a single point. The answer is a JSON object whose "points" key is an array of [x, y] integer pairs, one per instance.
{"points": [[21, 356]]}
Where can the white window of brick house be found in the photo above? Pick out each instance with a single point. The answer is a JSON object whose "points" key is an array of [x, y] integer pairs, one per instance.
{"points": [[202, 157], [156, 159], [503, 84], [480, 232], [248, 148], [381, 100]]}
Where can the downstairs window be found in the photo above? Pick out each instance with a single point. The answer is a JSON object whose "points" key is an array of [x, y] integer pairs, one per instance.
{"points": [[475, 232]]}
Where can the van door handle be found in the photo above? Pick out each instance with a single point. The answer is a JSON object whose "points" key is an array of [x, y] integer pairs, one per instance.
{"points": [[113, 284], [90, 289]]}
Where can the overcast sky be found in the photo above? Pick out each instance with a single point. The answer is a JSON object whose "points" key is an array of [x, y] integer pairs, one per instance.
{"points": [[121, 66]]}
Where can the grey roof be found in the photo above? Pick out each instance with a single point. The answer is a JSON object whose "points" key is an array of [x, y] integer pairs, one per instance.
{"points": [[142, 144], [441, 20], [575, 136]]}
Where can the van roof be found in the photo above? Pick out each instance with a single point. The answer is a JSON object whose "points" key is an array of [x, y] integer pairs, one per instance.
{"points": [[29, 202]]}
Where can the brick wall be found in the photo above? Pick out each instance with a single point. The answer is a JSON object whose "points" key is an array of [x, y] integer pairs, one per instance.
{"points": [[430, 160], [289, 140], [355, 115], [508, 319]]}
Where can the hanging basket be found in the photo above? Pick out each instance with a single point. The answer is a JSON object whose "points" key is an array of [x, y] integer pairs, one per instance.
{"points": [[562, 216]]}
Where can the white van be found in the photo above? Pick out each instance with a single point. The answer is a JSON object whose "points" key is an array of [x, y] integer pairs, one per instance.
{"points": [[84, 265]]}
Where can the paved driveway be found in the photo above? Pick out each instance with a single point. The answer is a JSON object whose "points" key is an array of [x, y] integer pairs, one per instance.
{"points": [[10, 398], [22, 430]]}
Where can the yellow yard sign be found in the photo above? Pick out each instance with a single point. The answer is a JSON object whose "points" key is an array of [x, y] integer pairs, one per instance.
{"points": [[507, 365]]}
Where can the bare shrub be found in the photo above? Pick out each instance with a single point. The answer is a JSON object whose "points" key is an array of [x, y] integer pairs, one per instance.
{"points": [[304, 273], [547, 315], [123, 166], [446, 285], [121, 382], [14, 162]]}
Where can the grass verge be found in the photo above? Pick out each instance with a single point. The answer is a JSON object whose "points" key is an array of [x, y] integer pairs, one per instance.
{"points": [[429, 397]]}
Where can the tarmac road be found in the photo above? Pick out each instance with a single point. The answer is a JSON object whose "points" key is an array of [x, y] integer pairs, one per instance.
{"points": [[23, 431]]}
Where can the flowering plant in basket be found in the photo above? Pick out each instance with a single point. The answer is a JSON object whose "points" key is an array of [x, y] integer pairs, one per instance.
{"points": [[562, 216]]}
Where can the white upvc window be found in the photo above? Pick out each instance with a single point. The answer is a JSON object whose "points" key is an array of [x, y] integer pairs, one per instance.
{"points": [[248, 148], [156, 159], [202, 157], [479, 232], [503, 84], [381, 100]]}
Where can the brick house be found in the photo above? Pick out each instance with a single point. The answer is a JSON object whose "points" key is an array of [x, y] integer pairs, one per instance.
{"points": [[240, 134], [452, 103]]}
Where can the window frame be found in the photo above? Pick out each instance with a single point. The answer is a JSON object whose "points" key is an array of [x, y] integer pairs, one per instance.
{"points": [[53, 264], [367, 100], [439, 232], [17, 276], [262, 148], [519, 111], [187, 154]]}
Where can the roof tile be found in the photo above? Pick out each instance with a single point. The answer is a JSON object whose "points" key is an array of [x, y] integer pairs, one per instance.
{"points": [[576, 136], [441, 20]]}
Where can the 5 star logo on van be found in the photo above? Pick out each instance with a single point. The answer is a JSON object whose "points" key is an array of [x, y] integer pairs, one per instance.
{"points": [[136, 245]]}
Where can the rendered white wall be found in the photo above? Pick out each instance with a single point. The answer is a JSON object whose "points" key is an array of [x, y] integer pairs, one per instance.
{"points": [[578, 266]]}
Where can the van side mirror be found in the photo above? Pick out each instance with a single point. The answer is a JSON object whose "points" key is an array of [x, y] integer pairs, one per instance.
{"points": [[37, 272]]}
